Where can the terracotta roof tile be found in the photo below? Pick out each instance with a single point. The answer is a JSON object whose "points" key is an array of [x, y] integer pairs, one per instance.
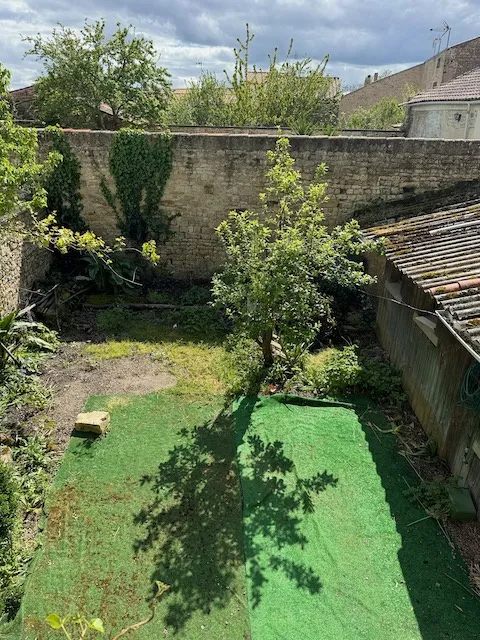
{"points": [[465, 87]]}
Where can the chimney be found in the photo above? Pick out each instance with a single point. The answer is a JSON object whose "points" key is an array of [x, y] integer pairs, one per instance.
{"points": [[375, 77], [368, 80]]}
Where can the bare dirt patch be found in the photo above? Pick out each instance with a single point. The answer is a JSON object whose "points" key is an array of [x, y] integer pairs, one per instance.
{"points": [[74, 377]]}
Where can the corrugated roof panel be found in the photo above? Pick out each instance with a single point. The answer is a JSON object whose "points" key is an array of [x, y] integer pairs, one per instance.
{"points": [[440, 253]]}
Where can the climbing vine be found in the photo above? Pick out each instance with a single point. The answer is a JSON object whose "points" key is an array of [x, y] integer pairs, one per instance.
{"points": [[140, 165], [63, 184]]}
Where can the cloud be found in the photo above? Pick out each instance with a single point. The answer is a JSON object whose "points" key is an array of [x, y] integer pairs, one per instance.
{"points": [[361, 37]]}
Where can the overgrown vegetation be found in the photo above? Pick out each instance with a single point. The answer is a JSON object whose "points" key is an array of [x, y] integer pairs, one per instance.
{"points": [[23, 197], [140, 167], [63, 183], [293, 93], [385, 114], [25, 456]]}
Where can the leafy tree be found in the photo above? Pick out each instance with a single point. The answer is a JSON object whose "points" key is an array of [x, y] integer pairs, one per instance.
{"points": [[23, 196], [293, 93], [204, 104], [88, 74], [280, 263]]}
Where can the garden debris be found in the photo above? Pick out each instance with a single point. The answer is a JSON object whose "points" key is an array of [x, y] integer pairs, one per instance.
{"points": [[93, 422]]}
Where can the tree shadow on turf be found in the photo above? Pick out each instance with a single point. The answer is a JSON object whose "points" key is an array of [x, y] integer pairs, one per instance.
{"points": [[443, 608], [194, 521], [276, 500]]}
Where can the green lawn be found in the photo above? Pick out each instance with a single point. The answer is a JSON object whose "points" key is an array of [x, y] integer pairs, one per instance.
{"points": [[282, 519]]}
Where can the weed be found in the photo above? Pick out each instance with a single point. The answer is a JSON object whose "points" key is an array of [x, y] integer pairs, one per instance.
{"points": [[433, 496]]}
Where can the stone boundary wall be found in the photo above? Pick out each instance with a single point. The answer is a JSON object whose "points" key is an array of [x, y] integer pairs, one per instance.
{"points": [[213, 174], [21, 265]]}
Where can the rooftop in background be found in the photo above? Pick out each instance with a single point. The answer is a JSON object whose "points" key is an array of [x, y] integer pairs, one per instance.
{"points": [[465, 87], [440, 253]]}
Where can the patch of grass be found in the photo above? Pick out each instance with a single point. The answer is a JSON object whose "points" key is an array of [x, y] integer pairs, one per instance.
{"points": [[188, 344]]}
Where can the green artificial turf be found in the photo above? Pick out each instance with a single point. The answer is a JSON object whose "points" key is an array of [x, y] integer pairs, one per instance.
{"points": [[326, 550], [331, 551], [156, 499]]}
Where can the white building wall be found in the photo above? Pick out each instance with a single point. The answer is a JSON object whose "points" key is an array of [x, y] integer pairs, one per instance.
{"points": [[448, 120]]}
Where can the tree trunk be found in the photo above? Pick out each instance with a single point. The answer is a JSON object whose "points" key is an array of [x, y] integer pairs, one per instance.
{"points": [[267, 348]]}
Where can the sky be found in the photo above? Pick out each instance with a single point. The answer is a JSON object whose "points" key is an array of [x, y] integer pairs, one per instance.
{"points": [[360, 36]]}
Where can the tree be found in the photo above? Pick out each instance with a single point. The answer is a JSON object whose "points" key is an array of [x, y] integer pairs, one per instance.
{"points": [[23, 197], [205, 103], [294, 93], [382, 115], [98, 82], [281, 263]]}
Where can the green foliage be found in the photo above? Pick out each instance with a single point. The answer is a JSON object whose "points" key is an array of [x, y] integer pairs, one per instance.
{"points": [[17, 389], [277, 263], [205, 104], [295, 94], [114, 320], [33, 460], [8, 559], [63, 183], [383, 115], [8, 503], [242, 367], [140, 166], [22, 192], [381, 382], [340, 371], [433, 496], [21, 339], [88, 74], [21, 175], [79, 626], [292, 93], [119, 276]]}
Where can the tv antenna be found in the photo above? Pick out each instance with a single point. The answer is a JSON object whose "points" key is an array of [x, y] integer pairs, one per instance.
{"points": [[444, 30]]}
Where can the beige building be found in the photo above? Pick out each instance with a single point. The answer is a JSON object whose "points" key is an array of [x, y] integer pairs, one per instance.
{"points": [[450, 111], [440, 69]]}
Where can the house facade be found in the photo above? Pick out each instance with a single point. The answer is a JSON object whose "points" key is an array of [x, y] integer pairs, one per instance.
{"points": [[450, 111]]}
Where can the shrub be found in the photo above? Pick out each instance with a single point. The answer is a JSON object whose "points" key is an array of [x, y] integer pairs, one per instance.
{"points": [[242, 369], [339, 372], [381, 382], [8, 503]]}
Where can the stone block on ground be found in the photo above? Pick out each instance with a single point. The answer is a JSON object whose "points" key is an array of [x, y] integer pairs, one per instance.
{"points": [[93, 422], [462, 508]]}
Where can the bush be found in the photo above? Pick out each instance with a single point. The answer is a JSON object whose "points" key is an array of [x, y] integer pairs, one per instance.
{"points": [[242, 369], [382, 382], [114, 320], [339, 372]]}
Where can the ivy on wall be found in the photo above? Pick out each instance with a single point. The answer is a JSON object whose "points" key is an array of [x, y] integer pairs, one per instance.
{"points": [[63, 184], [140, 165]]}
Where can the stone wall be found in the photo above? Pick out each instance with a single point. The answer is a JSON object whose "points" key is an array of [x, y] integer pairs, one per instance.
{"points": [[213, 174], [21, 265]]}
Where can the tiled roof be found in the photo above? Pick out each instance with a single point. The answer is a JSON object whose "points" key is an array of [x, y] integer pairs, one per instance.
{"points": [[465, 87], [440, 253]]}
